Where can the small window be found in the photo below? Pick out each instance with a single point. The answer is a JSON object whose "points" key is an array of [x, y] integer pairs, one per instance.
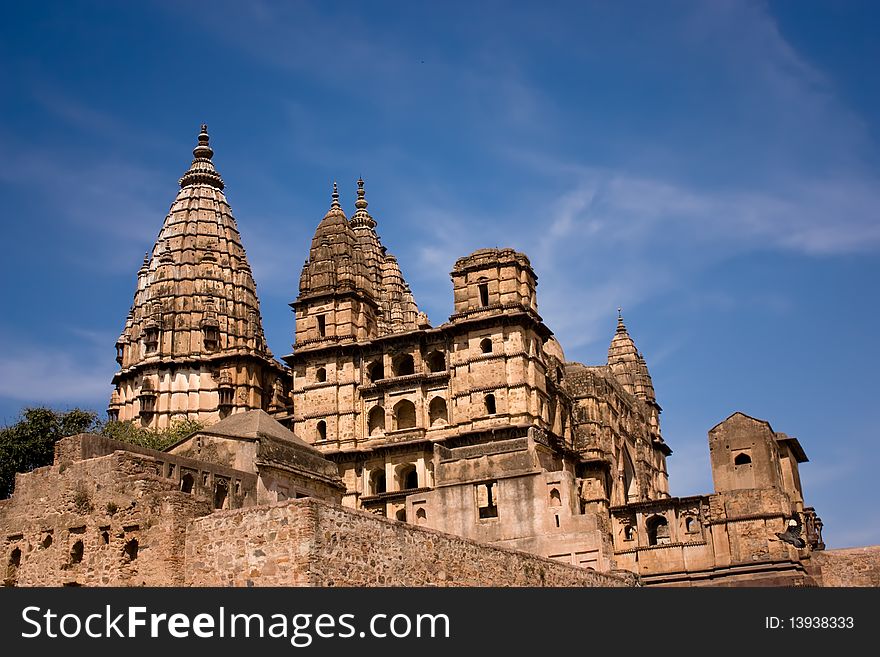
{"points": [[76, 552], [15, 558], [130, 550], [437, 413], [221, 493], [408, 477], [375, 371], [404, 365], [225, 396], [404, 414], [486, 345], [211, 336], [436, 362], [490, 404], [401, 515], [376, 421], [186, 483], [322, 325], [151, 339], [658, 531], [555, 499], [629, 533], [742, 459], [484, 293], [322, 430], [487, 504], [690, 525], [377, 482], [321, 375], [421, 517]]}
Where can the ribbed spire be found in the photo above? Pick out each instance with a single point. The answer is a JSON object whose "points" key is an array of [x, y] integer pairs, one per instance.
{"points": [[361, 217], [202, 170]]}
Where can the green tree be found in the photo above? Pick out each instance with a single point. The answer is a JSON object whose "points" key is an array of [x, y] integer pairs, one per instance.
{"points": [[30, 442]]}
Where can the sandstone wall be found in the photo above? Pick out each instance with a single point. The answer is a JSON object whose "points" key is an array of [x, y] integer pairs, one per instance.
{"points": [[858, 566], [308, 542]]}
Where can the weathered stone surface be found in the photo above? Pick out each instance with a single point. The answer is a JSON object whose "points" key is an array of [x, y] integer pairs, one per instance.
{"points": [[858, 566]]}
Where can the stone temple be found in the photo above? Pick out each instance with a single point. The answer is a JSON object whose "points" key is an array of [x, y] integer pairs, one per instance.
{"points": [[387, 451]]}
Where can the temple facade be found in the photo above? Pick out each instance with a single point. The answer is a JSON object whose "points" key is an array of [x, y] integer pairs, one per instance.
{"points": [[477, 427]]}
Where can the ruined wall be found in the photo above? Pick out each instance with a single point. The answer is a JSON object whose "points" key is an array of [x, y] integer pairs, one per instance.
{"points": [[858, 566], [308, 542], [114, 520]]}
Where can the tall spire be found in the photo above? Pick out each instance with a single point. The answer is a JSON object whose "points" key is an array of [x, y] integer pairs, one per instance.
{"points": [[334, 203], [202, 170]]}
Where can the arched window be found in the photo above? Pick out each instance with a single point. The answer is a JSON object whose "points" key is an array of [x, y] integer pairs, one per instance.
{"points": [[658, 530], [321, 374], [555, 498], [436, 361], [421, 517], [376, 421], [483, 289], [404, 414], [375, 371], [742, 459], [486, 345], [629, 533], [377, 482], [407, 477], [437, 413], [690, 525], [186, 483], [130, 549], [401, 515], [403, 365], [322, 430], [489, 401]]}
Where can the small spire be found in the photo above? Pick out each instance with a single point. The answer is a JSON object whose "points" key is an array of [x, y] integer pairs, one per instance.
{"points": [[334, 203], [621, 328], [203, 150], [361, 203]]}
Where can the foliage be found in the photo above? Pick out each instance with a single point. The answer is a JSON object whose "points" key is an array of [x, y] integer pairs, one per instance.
{"points": [[30, 442], [129, 432]]}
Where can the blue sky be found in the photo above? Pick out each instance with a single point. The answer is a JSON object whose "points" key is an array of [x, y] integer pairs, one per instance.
{"points": [[712, 168]]}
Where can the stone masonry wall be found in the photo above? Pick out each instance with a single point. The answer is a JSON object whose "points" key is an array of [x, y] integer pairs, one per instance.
{"points": [[858, 566], [312, 543]]}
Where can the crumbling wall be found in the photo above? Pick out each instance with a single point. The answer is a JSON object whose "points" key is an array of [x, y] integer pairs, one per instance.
{"points": [[859, 566], [309, 542]]}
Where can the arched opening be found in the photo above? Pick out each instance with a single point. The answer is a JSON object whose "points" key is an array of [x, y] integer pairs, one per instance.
{"points": [[690, 525], [47, 541], [401, 515], [15, 558], [375, 371], [404, 365], [377, 482], [321, 375], [487, 496], [321, 430], [376, 421], [489, 401], [407, 477], [130, 550], [555, 498], [437, 412], [483, 289], [630, 486], [186, 483], [404, 414], [486, 345], [421, 517], [629, 533], [742, 459], [658, 530], [76, 552], [221, 493], [436, 361]]}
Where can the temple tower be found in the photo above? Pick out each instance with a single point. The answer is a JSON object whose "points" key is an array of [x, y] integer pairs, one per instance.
{"points": [[193, 343]]}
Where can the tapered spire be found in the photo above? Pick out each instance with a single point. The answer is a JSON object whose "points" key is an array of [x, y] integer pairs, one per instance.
{"points": [[202, 170]]}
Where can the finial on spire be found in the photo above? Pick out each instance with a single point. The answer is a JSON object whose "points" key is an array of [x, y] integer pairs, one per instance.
{"points": [[361, 203], [621, 328], [335, 196], [203, 151]]}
